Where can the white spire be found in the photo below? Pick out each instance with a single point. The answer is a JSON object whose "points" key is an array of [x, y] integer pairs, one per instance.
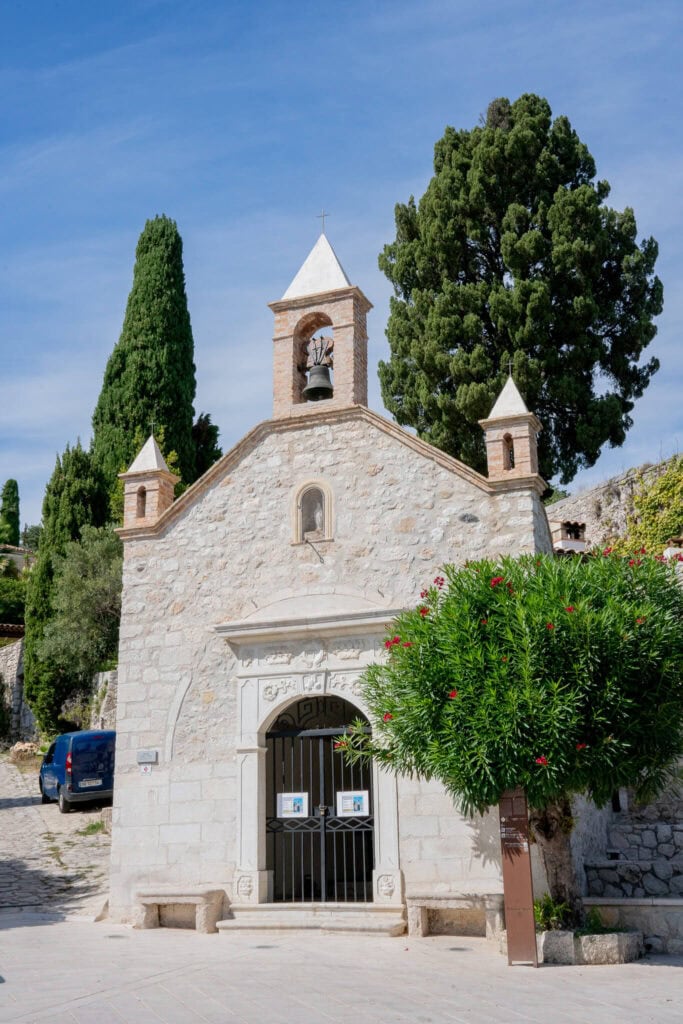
{"points": [[149, 458], [321, 272], [509, 402]]}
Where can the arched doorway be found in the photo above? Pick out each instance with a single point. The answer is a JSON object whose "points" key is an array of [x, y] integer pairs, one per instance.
{"points": [[319, 810]]}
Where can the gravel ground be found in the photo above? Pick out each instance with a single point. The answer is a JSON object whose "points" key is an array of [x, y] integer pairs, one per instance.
{"points": [[46, 863]]}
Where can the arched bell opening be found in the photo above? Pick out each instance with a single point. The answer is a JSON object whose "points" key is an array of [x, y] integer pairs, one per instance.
{"points": [[315, 360], [141, 503], [508, 452], [319, 810]]}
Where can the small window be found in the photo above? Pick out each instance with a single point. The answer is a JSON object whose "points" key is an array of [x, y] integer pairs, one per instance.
{"points": [[508, 452], [142, 503]]}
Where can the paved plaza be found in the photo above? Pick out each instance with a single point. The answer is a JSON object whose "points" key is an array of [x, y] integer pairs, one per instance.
{"points": [[86, 973], [58, 965]]}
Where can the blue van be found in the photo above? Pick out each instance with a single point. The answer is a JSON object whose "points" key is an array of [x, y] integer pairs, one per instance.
{"points": [[78, 766]]}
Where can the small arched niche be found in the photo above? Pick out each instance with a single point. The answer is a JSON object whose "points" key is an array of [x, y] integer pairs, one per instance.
{"points": [[508, 452], [141, 504], [313, 513]]}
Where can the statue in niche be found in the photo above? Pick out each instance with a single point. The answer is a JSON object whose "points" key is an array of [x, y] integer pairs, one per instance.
{"points": [[313, 514]]}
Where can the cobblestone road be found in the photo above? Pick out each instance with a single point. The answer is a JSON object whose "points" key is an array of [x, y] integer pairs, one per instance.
{"points": [[45, 864]]}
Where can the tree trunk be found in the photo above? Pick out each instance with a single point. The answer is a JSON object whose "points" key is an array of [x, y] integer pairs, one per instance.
{"points": [[552, 826]]}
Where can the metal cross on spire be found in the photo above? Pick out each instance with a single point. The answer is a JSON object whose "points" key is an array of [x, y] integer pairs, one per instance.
{"points": [[321, 216]]}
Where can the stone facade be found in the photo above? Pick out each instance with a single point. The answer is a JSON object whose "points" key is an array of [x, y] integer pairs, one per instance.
{"points": [[224, 554], [232, 613]]}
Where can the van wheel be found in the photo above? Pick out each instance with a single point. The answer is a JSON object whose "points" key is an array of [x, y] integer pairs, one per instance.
{"points": [[64, 805]]}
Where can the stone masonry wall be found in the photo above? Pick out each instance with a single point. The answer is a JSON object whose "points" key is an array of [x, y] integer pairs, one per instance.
{"points": [[645, 844], [605, 508], [21, 722], [398, 516]]}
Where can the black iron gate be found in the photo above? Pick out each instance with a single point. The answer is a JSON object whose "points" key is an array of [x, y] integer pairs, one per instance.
{"points": [[319, 812]]}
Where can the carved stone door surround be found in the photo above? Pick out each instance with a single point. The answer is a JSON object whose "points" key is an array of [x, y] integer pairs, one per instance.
{"points": [[278, 663]]}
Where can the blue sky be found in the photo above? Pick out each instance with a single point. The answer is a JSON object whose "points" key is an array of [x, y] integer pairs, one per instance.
{"points": [[241, 121]]}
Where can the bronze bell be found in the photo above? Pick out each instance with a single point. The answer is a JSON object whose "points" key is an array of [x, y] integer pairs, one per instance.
{"points": [[319, 384]]}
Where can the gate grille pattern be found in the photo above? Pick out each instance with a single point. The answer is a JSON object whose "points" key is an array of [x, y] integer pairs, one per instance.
{"points": [[322, 857]]}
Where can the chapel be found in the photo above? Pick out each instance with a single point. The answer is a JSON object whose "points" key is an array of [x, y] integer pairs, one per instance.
{"points": [[252, 605]]}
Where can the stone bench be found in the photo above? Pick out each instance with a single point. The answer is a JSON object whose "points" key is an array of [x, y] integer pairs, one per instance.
{"points": [[490, 905], [208, 904]]}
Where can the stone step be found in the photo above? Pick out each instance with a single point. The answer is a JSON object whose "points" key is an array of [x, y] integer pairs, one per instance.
{"points": [[330, 917]]}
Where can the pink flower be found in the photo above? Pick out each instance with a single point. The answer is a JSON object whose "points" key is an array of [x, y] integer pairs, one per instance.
{"points": [[388, 644], [549, 625], [453, 694], [640, 621], [496, 580], [424, 593], [581, 746], [542, 760], [439, 581], [387, 717], [407, 643], [635, 561], [424, 611], [607, 551], [340, 745], [642, 551], [570, 608], [504, 658], [484, 622]]}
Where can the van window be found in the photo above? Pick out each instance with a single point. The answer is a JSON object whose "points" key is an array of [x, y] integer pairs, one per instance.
{"points": [[50, 755]]}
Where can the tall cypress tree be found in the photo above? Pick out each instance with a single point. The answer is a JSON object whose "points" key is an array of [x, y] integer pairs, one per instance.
{"points": [[75, 496], [9, 513], [150, 376]]}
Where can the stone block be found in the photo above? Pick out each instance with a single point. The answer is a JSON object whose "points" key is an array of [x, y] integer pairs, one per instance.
{"points": [[649, 839], [654, 886], [664, 833], [556, 947], [662, 869]]}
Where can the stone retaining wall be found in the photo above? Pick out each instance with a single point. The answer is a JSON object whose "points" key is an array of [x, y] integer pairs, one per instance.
{"points": [[660, 920], [22, 724]]}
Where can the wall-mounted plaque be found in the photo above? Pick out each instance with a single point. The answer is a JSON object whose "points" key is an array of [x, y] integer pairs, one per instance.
{"points": [[353, 803], [292, 805]]}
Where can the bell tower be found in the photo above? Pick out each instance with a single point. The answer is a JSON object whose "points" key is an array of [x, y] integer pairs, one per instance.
{"points": [[320, 342], [511, 437], [147, 487]]}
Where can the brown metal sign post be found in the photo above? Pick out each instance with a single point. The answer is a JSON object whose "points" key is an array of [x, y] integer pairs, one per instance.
{"points": [[518, 894]]}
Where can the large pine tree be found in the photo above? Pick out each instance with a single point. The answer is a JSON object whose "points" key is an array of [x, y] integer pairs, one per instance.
{"points": [[75, 496], [512, 255], [9, 513], [150, 376]]}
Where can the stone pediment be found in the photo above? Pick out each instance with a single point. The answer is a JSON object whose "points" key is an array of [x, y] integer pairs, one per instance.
{"points": [[255, 437]]}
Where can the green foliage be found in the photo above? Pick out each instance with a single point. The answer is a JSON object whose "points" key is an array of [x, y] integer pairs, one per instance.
{"points": [[150, 376], [75, 497], [557, 675], [9, 513], [83, 631], [657, 511], [557, 494], [30, 537], [512, 255], [205, 438], [551, 915], [12, 599]]}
